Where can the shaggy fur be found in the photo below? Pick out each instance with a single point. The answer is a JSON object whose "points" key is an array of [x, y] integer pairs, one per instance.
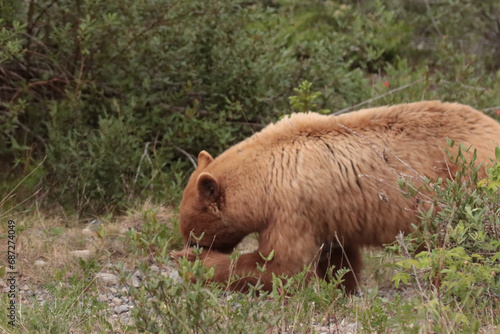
{"points": [[318, 188]]}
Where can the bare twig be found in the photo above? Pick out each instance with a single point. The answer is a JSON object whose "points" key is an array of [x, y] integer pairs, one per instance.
{"points": [[492, 108], [401, 242], [159, 19], [9, 195], [189, 156], [434, 23], [341, 244], [144, 155], [375, 146], [377, 97]]}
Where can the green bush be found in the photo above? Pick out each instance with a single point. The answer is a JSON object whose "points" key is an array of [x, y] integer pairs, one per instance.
{"points": [[458, 275], [116, 96]]}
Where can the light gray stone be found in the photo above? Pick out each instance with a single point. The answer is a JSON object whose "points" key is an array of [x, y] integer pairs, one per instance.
{"points": [[40, 263], [108, 279], [84, 254], [121, 309]]}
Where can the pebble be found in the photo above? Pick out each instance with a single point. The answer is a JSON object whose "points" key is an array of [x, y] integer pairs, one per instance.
{"points": [[116, 297], [121, 309], [84, 254], [107, 278], [135, 282], [174, 275], [94, 225], [40, 263]]}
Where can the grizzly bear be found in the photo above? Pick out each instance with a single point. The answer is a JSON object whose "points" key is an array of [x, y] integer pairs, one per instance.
{"points": [[318, 188]]}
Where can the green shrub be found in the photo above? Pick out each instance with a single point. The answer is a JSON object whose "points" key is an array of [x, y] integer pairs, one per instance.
{"points": [[119, 95], [458, 275]]}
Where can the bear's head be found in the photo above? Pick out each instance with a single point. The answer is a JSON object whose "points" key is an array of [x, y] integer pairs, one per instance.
{"points": [[202, 212]]}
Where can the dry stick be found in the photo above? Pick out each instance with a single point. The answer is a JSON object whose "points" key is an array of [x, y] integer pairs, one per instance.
{"points": [[378, 97], [19, 204], [189, 156], [347, 259], [20, 182], [447, 166], [159, 19], [492, 108], [434, 23], [144, 155], [399, 239], [376, 147]]}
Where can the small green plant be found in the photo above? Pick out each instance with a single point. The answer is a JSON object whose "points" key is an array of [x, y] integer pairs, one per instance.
{"points": [[154, 237], [304, 101], [191, 305], [492, 182], [458, 274], [167, 306]]}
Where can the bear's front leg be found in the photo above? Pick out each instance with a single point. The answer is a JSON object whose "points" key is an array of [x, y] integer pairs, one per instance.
{"points": [[248, 269]]}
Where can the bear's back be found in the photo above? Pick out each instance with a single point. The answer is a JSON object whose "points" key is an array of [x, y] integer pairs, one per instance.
{"points": [[341, 172]]}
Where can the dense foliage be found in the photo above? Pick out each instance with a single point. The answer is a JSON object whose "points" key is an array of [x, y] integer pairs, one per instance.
{"points": [[104, 102]]}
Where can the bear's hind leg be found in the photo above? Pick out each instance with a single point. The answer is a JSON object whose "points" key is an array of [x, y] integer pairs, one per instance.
{"points": [[342, 257]]}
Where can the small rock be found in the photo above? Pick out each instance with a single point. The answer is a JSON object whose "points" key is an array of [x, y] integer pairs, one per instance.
{"points": [[174, 275], [135, 282], [84, 254], [154, 268], [108, 279], [121, 309], [103, 298], [25, 287], [138, 274], [117, 301], [40, 263], [113, 290], [94, 225]]}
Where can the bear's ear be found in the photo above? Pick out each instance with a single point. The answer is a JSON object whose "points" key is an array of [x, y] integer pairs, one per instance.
{"points": [[204, 159], [208, 187]]}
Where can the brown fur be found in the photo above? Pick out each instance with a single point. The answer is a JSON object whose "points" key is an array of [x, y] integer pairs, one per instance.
{"points": [[318, 188]]}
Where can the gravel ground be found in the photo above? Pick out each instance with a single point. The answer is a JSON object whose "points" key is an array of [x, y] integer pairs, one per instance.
{"points": [[120, 303], [115, 293]]}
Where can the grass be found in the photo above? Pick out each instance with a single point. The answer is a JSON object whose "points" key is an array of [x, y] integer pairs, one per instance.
{"points": [[67, 282], [452, 288]]}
